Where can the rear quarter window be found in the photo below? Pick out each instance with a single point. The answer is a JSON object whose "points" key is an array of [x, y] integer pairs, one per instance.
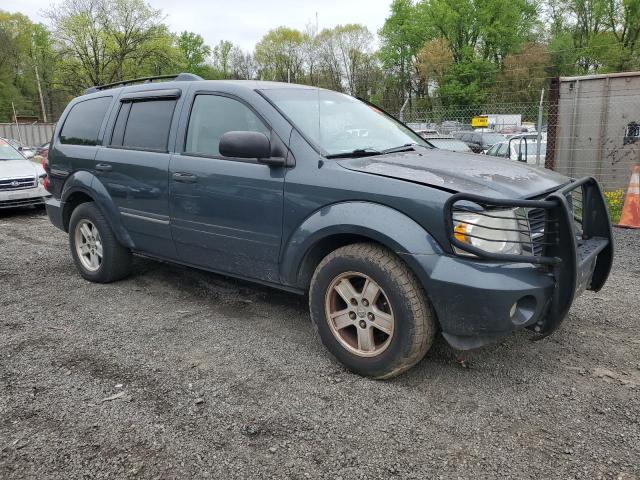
{"points": [[82, 125]]}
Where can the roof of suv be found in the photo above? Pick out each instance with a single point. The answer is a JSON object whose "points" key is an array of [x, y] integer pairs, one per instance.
{"points": [[174, 81]]}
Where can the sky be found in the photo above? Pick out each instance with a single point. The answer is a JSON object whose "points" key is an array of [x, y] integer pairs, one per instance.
{"points": [[244, 22]]}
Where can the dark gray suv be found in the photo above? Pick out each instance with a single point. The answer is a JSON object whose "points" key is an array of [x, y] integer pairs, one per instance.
{"points": [[313, 191]]}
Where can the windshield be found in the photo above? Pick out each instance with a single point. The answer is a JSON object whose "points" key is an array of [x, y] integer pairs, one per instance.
{"points": [[340, 124], [7, 152], [492, 138]]}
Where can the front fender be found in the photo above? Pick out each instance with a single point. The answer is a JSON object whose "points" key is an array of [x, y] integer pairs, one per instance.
{"points": [[379, 223], [85, 182]]}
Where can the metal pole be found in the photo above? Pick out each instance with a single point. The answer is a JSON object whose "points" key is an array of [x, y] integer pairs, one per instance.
{"points": [[539, 141], [404, 105], [44, 112], [15, 119]]}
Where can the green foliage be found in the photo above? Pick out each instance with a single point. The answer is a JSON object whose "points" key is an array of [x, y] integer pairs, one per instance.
{"points": [[467, 81], [615, 202], [280, 54], [431, 52], [194, 53]]}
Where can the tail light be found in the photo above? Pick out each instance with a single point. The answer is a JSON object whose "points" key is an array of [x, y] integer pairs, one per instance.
{"points": [[45, 166]]}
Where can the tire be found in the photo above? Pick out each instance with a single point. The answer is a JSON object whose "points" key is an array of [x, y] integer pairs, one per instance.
{"points": [[400, 326], [115, 262]]}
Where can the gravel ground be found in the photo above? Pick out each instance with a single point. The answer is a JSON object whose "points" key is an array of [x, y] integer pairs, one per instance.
{"points": [[175, 373]]}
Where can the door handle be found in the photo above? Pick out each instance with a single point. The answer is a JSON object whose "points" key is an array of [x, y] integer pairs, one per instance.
{"points": [[184, 177], [103, 167]]}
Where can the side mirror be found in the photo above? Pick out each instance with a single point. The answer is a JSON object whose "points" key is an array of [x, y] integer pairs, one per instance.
{"points": [[245, 145]]}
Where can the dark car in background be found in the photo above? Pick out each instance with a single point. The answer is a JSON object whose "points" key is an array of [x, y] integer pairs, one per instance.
{"points": [[479, 141], [318, 193], [446, 142]]}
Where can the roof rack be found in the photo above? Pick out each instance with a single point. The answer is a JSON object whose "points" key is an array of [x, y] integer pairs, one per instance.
{"points": [[179, 77]]}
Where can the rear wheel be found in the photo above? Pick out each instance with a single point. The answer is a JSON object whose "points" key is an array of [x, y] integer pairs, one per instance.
{"points": [[370, 311], [98, 255]]}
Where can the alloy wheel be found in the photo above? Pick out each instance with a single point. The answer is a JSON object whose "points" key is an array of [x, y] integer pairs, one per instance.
{"points": [[359, 314], [88, 245]]}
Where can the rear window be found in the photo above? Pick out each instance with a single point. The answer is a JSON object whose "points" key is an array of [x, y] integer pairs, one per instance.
{"points": [[82, 125], [144, 125]]}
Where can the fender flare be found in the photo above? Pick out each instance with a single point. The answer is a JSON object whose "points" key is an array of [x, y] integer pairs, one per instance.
{"points": [[85, 182], [380, 223]]}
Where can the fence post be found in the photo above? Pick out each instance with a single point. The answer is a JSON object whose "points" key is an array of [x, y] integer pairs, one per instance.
{"points": [[539, 128], [552, 126], [15, 119]]}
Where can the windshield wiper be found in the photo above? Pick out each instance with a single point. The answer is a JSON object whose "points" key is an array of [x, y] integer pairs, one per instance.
{"points": [[407, 147], [370, 152], [358, 152]]}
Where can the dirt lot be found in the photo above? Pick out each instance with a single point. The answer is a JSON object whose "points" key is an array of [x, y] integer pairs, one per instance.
{"points": [[175, 373]]}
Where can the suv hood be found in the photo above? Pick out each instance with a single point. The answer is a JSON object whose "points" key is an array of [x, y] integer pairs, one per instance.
{"points": [[19, 168], [461, 172]]}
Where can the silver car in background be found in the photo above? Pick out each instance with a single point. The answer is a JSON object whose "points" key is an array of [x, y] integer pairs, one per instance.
{"points": [[21, 180]]}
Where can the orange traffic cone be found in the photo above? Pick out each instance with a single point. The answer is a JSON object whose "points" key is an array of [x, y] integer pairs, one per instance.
{"points": [[630, 217]]}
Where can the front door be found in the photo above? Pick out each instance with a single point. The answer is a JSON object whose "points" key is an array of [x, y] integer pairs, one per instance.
{"points": [[226, 213]]}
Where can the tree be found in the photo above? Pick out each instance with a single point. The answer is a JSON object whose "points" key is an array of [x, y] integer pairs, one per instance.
{"points": [[194, 52], [588, 36], [468, 81], [99, 40], [25, 47], [222, 58], [243, 65], [523, 74], [280, 55], [402, 37], [433, 61]]}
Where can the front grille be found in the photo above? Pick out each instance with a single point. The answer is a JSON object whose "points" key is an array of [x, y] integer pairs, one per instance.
{"points": [[544, 226], [17, 183], [537, 219], [574, 199], [23, 202]]}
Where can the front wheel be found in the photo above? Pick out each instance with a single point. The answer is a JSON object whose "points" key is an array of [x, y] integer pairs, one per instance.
{"points": [[95, 250], [370, 311]]}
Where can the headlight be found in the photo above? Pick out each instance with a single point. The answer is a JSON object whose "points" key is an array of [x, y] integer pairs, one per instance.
{"points": [[494, 231]]}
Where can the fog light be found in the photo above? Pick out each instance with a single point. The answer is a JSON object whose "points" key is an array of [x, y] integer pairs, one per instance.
{"points": [[523, 310]]}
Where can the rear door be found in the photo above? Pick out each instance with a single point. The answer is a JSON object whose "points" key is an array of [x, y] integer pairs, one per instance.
{"points": [[226, 213], [134, 166]]}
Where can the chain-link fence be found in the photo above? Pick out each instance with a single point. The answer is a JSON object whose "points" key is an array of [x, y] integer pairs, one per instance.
{"points": [[590, 126]]}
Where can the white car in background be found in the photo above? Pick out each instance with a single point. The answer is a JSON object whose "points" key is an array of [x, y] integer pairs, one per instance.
{"points": [[521, 148], [27, 152], [21, 180]]}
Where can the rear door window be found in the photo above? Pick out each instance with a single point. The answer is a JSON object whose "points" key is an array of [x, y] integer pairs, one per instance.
{"points": [[144, 125], [82, 125]]}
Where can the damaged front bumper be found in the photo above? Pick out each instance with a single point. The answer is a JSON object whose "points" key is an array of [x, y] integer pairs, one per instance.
{"points": [[485, 296]]}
